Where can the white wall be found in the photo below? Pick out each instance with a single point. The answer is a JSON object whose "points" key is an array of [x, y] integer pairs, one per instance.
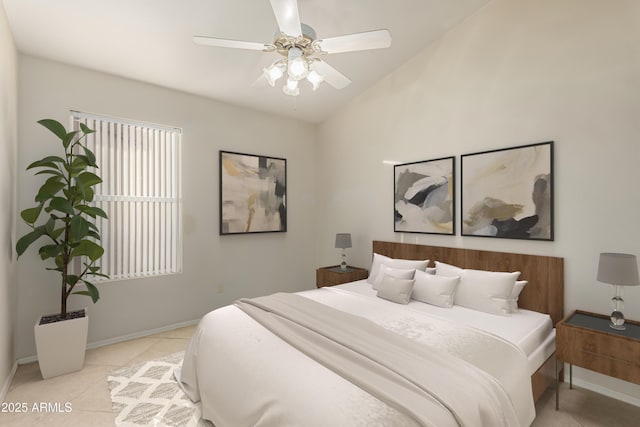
{"points": [[217, 269], [8, 143], [517, 72]]}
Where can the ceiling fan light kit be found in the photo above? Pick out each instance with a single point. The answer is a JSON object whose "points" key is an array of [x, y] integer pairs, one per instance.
{"points": [[297, 67], [291, 88], [274, 72], [298, 44], [315, 79]]}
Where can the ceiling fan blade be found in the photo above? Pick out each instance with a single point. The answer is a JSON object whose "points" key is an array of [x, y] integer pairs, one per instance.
{"points": [[286, 12], [237, 44], [260, 82], [377, 39], [332, 76]]}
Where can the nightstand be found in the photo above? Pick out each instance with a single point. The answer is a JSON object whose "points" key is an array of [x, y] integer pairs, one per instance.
{"points": [[586, 340], [334, 275]]}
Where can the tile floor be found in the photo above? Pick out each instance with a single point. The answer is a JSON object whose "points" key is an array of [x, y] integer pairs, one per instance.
{"points": [[88, 392]]}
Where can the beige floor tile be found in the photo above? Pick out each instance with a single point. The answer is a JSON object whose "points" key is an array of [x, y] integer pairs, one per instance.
{"points": [[553, 419], [119, 354], [26, 374], [64, 388], [601, 411], [161, 348], [584, 408], [96, 397], [75, 418], [185, 333], [547, 416]]}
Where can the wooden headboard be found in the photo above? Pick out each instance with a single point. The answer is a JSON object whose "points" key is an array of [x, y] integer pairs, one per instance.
{"points": [[544, 293]]}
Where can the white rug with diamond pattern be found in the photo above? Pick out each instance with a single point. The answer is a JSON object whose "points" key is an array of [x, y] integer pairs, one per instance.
{"points": [[147, 394]]}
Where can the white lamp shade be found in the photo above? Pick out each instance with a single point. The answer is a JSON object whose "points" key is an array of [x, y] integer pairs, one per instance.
{"points": [[343, 240], [618, 269]]}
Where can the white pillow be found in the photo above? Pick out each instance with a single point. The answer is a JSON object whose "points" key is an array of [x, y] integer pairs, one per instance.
{"points": [[486, 291], [515, 293], [398, 273], [443, 269], [375, 266], [407, 264], [394, 289], [436, 290], [430, 270]]}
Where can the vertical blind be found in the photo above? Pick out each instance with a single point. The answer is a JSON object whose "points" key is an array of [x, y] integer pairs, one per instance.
{"points": [[139, 164]]}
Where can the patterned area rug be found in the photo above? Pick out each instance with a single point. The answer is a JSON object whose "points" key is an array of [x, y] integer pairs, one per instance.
{"points": [[147, 394]]}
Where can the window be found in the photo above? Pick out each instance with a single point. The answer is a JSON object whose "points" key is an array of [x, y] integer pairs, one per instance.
{"points": [[140, 169]]}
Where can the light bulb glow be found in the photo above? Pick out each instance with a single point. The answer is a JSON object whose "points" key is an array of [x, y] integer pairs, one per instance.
{"points": [[297, 66]]}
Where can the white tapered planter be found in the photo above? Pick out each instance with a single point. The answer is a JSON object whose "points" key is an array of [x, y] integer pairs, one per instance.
{"points": [[61, 345]]}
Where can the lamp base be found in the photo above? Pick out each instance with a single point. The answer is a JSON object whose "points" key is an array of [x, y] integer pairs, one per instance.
{"points": [[617, 327], [617, 320], [343, 264]]}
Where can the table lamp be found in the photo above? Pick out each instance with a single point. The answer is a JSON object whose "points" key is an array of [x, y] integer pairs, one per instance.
{"points": [[618, 270], [343, 241]]}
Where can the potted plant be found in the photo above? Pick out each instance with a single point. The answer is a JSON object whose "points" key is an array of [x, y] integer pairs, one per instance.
{"points": [[71, 241]]}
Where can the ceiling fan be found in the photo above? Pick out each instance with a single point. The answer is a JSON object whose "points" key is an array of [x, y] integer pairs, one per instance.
{"points": [[301, 50]]}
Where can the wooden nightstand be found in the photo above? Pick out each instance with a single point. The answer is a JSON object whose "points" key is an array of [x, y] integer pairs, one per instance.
{"points": [[586, 340], [334, 275]]}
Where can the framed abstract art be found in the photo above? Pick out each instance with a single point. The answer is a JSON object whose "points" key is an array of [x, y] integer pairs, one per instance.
{"points": [[508, 193], [253, 193], [424, 196]]}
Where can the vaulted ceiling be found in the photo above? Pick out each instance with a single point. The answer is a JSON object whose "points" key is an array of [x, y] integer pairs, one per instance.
{"points": [[151, 41]]}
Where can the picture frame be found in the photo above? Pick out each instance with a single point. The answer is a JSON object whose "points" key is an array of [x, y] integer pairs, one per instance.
{"points": [[508, 193], [424, 197], [253, 193]]}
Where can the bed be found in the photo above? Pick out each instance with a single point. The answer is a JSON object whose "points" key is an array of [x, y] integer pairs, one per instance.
{"points": [[289, 359], [546, 272]]}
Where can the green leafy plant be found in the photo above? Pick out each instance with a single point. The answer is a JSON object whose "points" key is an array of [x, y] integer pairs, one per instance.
{"points": [[63, 203]]}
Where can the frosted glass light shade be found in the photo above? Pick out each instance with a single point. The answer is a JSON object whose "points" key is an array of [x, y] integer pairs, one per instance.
{"points": [[315, 79], [297, 67], [273, 73], [291, 88]]}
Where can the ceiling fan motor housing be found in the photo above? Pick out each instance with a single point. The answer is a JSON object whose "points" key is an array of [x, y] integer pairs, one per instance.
{"points": [[284, 42]]}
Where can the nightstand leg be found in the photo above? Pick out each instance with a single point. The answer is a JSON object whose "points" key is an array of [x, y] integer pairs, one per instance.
{"points": [[557, 386], [570, 376]]}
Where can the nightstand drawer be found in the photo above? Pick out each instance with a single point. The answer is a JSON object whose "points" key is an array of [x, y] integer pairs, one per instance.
{"points": [[617, 368], [584, 341]]}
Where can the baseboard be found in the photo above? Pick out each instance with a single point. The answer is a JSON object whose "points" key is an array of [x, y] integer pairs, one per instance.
{"points": [[606, 391], [141, 334], [8, 381], [115, 340]]}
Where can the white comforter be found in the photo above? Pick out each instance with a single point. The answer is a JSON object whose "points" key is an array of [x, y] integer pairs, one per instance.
{"points": [[246, 376]]}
